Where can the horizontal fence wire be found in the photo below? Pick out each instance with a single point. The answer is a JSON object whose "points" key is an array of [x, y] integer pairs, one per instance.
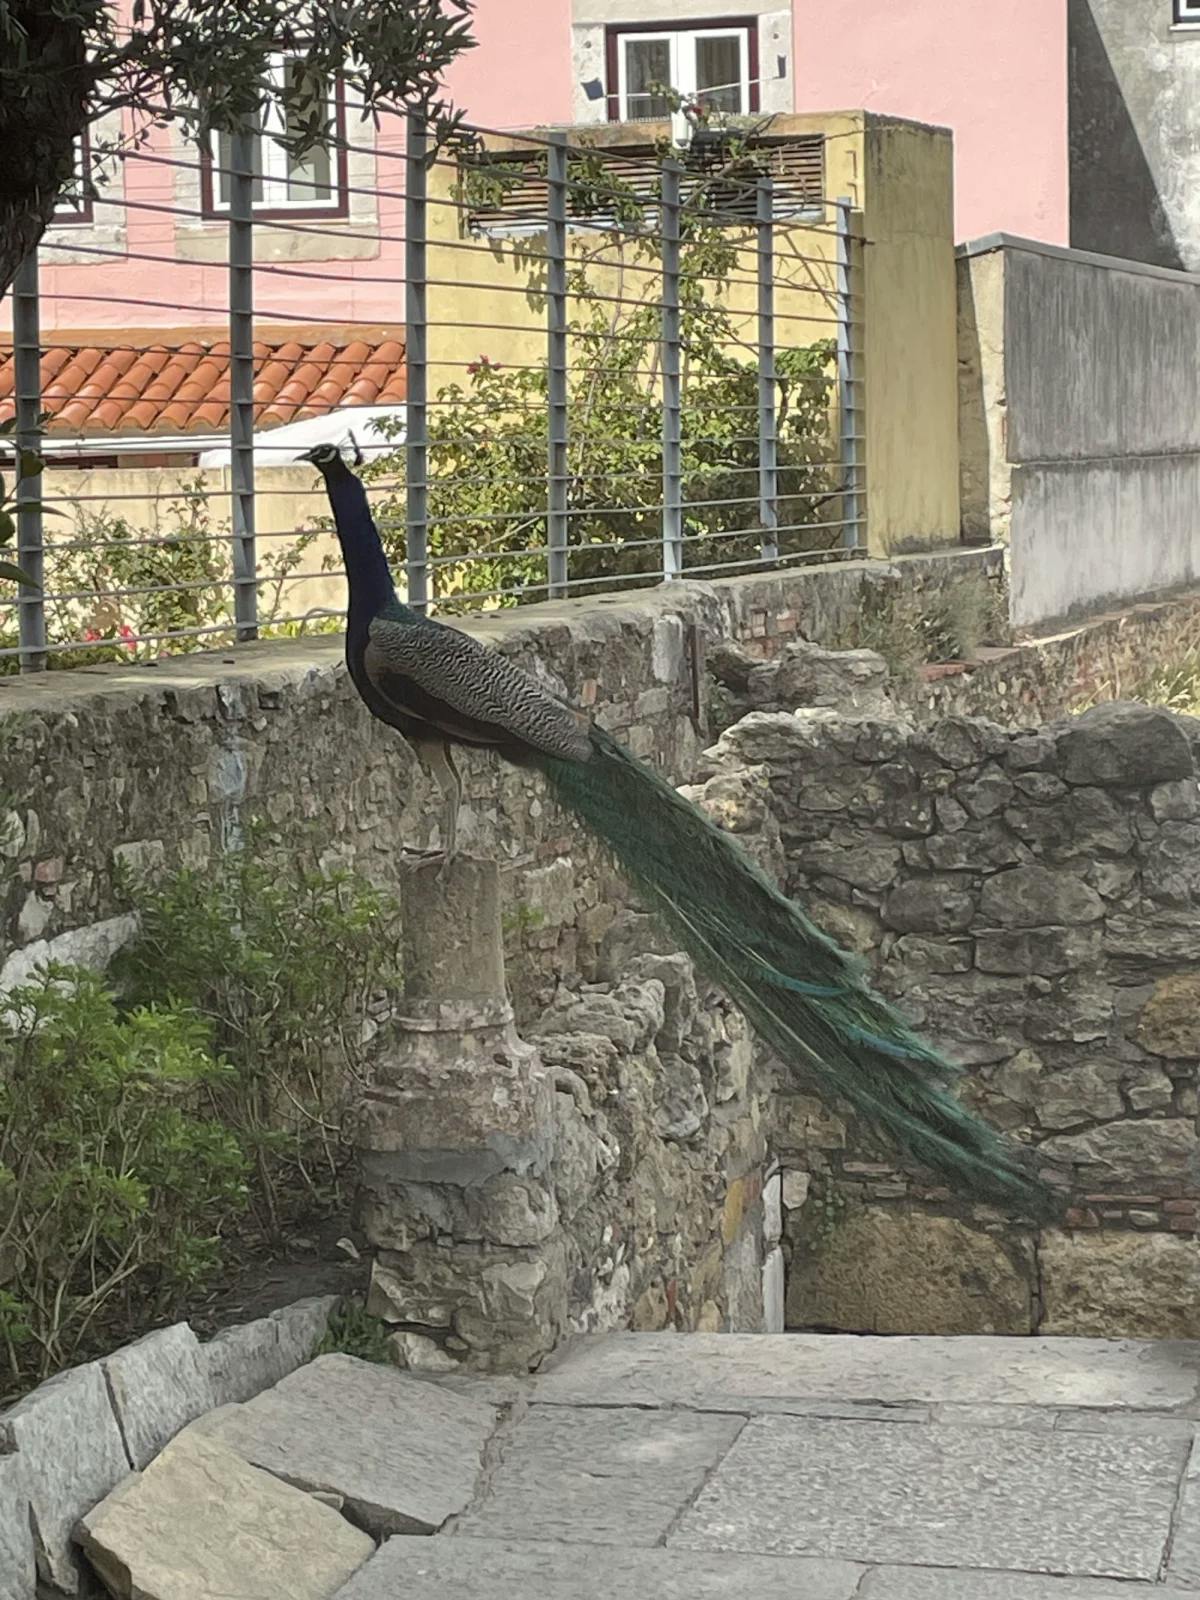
{"points": [[569, 367]]}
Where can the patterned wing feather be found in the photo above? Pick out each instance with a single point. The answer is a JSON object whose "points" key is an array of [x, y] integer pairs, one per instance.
{"points": [[475, 683]]}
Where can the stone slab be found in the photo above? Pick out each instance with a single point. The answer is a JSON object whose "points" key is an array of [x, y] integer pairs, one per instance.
{"points": [[1183, 1567], [201, 1524], [16, 1536], [486, 1569], [723, 1372], [605, 1476], [1073, 1504], [157, 1386], [920, 1583], [241, 1362], [404, 1454], [72, 1455]]}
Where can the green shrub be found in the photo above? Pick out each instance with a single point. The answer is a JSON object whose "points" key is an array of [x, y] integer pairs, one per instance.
{"points": [[284, 964], [115, 1183]]}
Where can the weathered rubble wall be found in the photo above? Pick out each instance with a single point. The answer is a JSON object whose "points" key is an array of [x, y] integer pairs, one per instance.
{"points": [[1033, 901]]}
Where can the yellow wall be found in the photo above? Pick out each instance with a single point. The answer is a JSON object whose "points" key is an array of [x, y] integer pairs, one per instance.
{"points": [[486, 301], [911, 347], [289, 499]]}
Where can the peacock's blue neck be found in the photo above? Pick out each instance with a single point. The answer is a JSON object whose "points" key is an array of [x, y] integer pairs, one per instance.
{"points": [[367, 572]]}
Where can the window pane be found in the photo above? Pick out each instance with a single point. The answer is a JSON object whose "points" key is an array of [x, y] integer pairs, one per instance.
{"points": [[647, 61], [719, 72], [224, 172], [310, 177]]}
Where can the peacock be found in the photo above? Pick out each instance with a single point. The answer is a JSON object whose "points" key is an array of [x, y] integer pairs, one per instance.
{"points": [[803, 995]]}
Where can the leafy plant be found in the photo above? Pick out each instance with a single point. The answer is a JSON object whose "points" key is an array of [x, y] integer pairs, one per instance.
{"points": [[116, 1184], [285, 965], [910, 625], [29, 465], [352, 1331], [135, 591], [489, 436]]}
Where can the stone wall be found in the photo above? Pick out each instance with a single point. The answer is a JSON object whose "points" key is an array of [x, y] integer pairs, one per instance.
{"points": [[654, 1193], [665, 1196], [1032, 899]]}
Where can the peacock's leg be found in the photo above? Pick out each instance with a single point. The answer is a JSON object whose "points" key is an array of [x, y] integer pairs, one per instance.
{"points": [[440, 759]]}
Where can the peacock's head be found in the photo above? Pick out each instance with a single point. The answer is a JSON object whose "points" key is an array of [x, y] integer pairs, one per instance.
{"points": [[322, 456]]}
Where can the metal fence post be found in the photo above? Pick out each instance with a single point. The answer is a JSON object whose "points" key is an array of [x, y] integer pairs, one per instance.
{"points": [[854, 530], [672, 417], [241, 381], [557, 521], [416, 355], [27, 375], [768, 441]]}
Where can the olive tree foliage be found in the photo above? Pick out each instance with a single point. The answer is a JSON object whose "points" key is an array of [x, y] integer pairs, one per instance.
{"points": [[204, 62]]}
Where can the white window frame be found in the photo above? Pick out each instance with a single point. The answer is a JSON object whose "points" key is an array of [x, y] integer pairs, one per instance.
{"points": [[68, 211], [1187, 13], [682, 42], [274, 158]]}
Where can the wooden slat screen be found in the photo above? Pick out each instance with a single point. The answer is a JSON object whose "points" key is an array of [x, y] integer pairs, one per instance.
{"points": [[507, 190]]}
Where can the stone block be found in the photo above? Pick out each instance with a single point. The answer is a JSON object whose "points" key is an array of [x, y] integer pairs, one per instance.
{"points": [[882, 1271], [613, 1476], [1119, 1285], [929, 905], [773, 1292], [1071, 1504], [158, 1385], [497, 1569], [242, 1361], [403, 1454], [1087, 1093], [1035, 897], [1124, 745], [923, 1583], [17, 1565], [72, 1454], [200, 1524], [1170, 1023], [1142, 1152]]}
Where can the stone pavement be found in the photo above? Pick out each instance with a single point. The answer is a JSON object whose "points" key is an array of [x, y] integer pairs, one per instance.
{"points": [[686, 1467]]}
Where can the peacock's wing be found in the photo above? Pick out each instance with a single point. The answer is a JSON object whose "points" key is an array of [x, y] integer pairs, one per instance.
{"points": [[465, 692]]}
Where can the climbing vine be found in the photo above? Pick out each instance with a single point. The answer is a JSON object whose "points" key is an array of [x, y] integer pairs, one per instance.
{"points": [[489, 429]]}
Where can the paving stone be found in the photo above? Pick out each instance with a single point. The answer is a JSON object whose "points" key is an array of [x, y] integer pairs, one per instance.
{"points": [[1119, 1423], [16, 1537], [157, 1386], [484, 1569], [1038, 1418], [1184, 1564], [241, 1362], [71, 1454], [606, 1475], [1072, 1504], [920, 1583], [723, 1372], [403, 1453], [201, 1524]]}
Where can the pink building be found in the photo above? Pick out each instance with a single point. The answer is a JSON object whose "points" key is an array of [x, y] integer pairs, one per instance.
{"points": [[1073, 123]]}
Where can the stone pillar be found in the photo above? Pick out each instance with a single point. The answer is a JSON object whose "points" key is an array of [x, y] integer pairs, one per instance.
{"points": [[456, 1137]]}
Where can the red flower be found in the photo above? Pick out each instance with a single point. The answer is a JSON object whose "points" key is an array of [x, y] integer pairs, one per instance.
{"points": [[127, 636]]}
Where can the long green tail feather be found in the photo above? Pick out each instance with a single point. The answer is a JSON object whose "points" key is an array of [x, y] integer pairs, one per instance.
{"points": [[804, 996]]}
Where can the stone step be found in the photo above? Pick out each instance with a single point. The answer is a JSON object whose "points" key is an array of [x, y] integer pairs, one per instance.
{"points": [[527, 1570], [402, 1455], [724, 1372]]}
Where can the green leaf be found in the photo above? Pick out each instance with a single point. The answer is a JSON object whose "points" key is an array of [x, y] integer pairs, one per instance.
{"points": [[31, 464], [10, 570], [8, 528]]}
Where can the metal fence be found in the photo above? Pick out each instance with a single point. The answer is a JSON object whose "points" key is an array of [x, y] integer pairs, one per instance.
{"points": [[667, 382]]}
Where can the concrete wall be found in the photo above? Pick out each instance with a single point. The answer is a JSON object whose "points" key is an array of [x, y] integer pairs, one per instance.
{"points": [[1134, 115], [1080, 400]]}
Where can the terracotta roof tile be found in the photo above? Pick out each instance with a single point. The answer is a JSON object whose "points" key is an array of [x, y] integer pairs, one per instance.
{"points": [[155, 381]]}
